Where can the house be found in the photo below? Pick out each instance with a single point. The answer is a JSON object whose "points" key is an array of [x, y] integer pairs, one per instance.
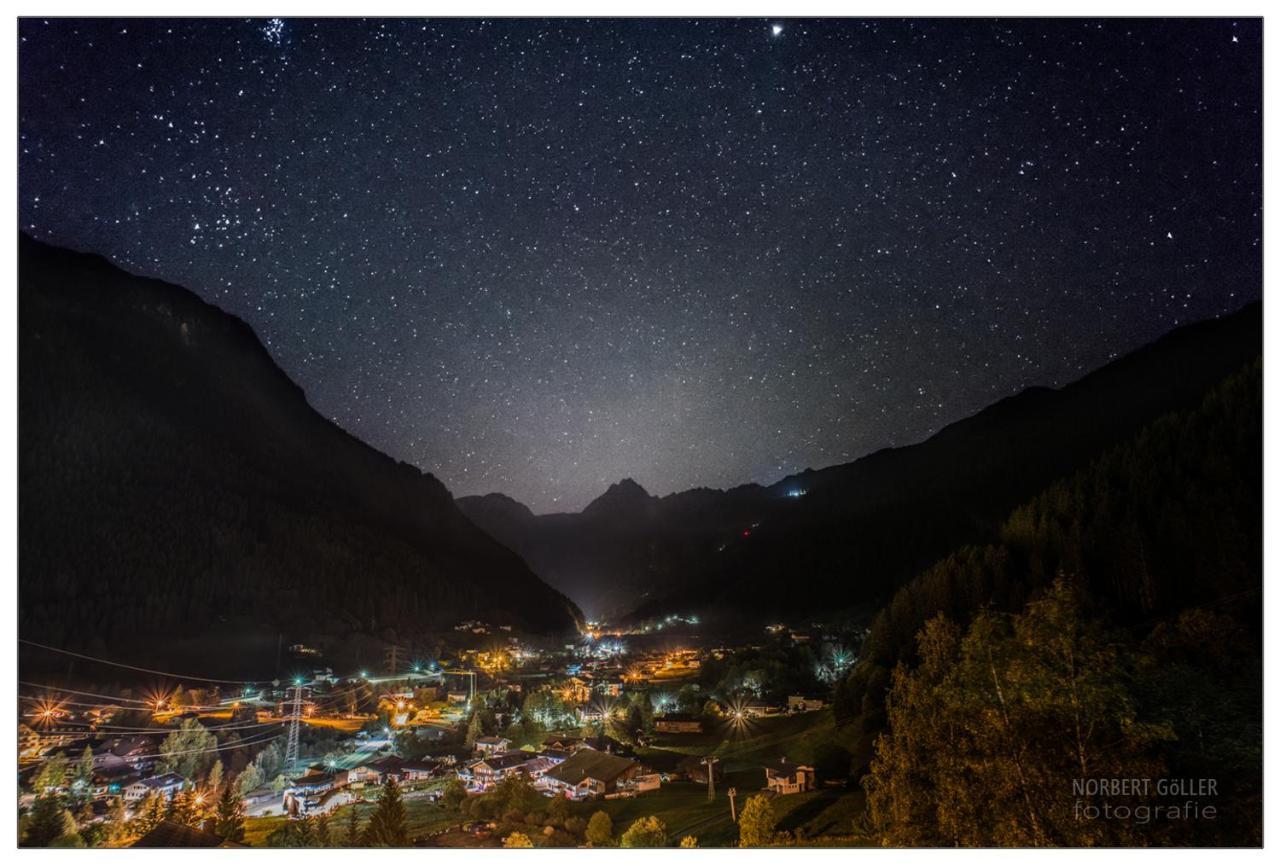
{"points": [[420, 770], [111, 781], [678, 723], [784, 777], [306, 791], [605, 743], [376, 771], [166, 784], [757, 709], [489, 771], [588, 774], [590, 714], [492, 745], [563, 744], [137, 751], [576, 691], [804, 703]]}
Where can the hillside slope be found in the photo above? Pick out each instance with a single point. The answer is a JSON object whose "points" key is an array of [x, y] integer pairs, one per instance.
{"points": [[171, 476]]}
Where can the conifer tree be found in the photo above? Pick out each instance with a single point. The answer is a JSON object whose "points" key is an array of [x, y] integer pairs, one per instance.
{"points": [[389, 826]]}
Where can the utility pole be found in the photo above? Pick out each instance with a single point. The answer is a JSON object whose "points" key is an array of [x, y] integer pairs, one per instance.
{"points": [[733, 807], [291, 750], [710, 761]]}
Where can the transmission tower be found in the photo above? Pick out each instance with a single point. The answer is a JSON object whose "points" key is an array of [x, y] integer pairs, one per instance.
{"points": [[393, 660], [295, 716]]}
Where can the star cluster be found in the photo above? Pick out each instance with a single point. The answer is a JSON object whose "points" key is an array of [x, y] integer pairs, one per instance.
{"points": [[539, 256]]}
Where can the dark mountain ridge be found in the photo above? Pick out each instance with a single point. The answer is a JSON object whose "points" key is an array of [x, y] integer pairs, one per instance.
{"points": [[171, 475], [847, 535]]}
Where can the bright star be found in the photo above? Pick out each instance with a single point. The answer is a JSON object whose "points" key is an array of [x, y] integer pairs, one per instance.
{"points": [[777, 30]]}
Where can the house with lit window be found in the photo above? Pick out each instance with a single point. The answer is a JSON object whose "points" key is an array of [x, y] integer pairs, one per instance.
{"points": [[588, 774], [678, 723], [166, 784], [486, 772], [492, 745], [785, 777]]}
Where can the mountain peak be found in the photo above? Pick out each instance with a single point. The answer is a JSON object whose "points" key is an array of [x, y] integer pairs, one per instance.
{"points": [[626, 495]]}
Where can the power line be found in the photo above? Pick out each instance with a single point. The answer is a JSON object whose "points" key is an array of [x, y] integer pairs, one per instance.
{"points": [[136, 668]]}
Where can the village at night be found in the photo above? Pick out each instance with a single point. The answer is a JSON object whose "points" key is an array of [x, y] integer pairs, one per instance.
{"points": [[581, 433]]}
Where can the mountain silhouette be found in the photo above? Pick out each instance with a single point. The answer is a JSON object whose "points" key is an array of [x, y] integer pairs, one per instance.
{"points": [[171, 477], [846, 536]]}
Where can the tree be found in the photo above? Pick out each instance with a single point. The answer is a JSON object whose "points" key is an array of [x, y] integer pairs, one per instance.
{"points": [[600, 830], [182, 808], [229, 816], [516, 793], [150, 813], [454, 794], [987, 735], [517, 840], [82, 776], [474, 731], [689, 842], [247, 781], [52, 776], [558, 810], [352, 839], [117, 824], [188, 751], [47, 821], [757, 824], [321, 837], [645, 833], [388, 827], [214, 782]]}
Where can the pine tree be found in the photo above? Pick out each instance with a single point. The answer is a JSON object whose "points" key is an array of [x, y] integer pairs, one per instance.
{"points": [[82, 776], [151, 813], [229, 817], [353, 828], [117, 825], [474, 731], [46, 821], [321, 837], [51, 776], [250, 779], [214, 782], [388, 827]]}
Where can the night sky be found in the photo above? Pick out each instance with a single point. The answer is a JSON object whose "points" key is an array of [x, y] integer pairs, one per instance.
{"points": [[540, 256]]}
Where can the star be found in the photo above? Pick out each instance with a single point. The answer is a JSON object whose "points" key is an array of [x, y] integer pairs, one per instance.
{"points": [[517, 257]]}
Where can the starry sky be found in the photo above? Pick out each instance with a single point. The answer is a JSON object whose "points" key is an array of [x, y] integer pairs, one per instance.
{"points": [[539, 256]]}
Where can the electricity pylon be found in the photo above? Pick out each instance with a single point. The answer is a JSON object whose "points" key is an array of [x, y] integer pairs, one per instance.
{"points": [[295, 716]]}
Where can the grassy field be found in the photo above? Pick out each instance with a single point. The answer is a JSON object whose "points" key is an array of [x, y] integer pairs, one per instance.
{"points": [[425, 817], [808, 738]]}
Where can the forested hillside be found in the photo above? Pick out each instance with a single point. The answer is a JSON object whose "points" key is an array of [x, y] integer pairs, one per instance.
{"points": [[172, 477], [1115, 629]]}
